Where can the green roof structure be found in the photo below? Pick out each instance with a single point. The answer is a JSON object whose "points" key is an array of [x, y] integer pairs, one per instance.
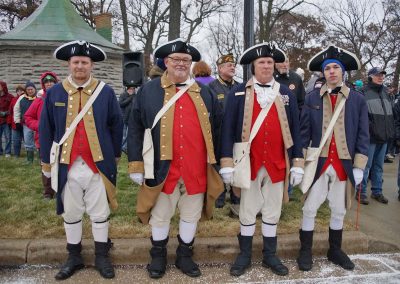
{"points": [[56, 21]]}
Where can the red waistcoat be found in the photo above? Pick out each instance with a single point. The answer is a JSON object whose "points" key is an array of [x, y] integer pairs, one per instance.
{"points": [[267, 148], [189, 152], [333, 157], [80, 147]]}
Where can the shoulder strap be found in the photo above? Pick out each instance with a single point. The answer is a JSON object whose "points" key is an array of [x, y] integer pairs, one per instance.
{"points": [[262, 115], [82, 112], [331, 124], [171, 102]]}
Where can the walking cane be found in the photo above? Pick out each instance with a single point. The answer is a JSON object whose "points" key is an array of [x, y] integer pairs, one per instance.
{"points": [[358, 206]]}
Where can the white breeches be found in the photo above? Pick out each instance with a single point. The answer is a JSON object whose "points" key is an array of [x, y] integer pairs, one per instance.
{"points": [[264, 196]]}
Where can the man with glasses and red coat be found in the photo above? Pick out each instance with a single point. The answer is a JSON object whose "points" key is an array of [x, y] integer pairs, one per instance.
{"points": [[184, 139]]}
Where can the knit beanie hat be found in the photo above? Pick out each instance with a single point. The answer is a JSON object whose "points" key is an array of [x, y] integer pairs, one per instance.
{"points": [[30, 84]]}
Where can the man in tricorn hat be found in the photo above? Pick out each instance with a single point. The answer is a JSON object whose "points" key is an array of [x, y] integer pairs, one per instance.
{"points": [[275, 152], [179, 170], [343, 156], [225, 81], [88, 157]]}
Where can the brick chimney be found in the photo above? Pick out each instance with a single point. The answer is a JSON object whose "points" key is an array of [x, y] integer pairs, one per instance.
{"points": [[103, 25]]}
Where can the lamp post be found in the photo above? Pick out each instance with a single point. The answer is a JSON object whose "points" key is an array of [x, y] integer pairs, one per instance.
{"points": [[248, 32]]}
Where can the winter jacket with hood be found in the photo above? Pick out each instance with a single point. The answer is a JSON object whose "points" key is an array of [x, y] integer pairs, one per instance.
{"points": [[380, 113], [5, 100], [32, 115]]}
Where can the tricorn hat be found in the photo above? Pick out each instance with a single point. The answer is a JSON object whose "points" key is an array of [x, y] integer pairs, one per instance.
{"points": [[226, 58], [264, 49], [348, 59], [79, 48], [177, 46]]}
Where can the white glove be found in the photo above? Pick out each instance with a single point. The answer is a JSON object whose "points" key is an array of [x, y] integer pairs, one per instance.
{"points": [[296, 175], [227, 174], [46, 174], [137, 178], [358, 175]]}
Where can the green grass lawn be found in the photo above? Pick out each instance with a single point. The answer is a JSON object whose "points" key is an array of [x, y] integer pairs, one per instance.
{"points": [[25, 214]]}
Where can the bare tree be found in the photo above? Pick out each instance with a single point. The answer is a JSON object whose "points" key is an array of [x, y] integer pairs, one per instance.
{"points": [[13, 11], [270, 13], [148, 22], [353, 24], [226, 36], [89, 8], [124, 18], [299, 36], [195, 12], [226, 33]]}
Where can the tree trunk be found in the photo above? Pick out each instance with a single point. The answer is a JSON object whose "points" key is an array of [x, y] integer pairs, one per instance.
{"points": [[124, 17], [396, 75], [174, 19]]}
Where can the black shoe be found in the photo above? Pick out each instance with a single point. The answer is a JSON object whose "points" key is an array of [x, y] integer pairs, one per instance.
{"points": [[398, 197], [304, 261], [184, 260], [74, 262], [102, 260], [234, 198], [363, 200], [335, 253], [380, 198], [158, 253], [270, 260], [388, 161], [220, 201], [243, 260]]}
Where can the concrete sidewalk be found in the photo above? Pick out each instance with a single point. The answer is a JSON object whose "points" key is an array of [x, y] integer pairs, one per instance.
{"points": [[136, 251]]}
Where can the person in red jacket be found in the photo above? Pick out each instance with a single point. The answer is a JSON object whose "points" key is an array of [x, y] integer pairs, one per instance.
{"points": [[5, 100], [16, 132], [32, 118]]}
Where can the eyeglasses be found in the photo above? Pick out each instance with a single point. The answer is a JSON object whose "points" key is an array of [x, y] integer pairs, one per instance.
{"points": [[180, 60]]}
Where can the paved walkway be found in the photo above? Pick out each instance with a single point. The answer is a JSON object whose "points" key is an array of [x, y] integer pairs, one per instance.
{"points": [[381, 222], [374, 268]]}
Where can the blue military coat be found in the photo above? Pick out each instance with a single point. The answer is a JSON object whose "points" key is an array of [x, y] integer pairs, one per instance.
{"points": [[351, 128], [103, 126]]}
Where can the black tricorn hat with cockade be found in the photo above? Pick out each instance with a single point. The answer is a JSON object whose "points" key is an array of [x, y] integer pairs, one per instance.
{"points": [[79, 48], [348, 59], [177, 46], [264, 49]]}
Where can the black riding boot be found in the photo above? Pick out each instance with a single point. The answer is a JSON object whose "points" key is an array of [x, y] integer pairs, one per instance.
{"points": [[102, 261], [74, 262], [184, 260], [335, 253], [243, 260], [158, 253], [270, 259], [304, 260]]}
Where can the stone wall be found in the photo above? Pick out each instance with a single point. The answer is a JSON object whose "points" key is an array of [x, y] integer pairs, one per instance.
{"points": [[19, 64]]}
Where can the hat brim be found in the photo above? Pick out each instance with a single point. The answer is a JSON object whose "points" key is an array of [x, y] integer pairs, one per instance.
{"points": [[79, 48], [262, 50], [348, 59], [177, 46]]}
